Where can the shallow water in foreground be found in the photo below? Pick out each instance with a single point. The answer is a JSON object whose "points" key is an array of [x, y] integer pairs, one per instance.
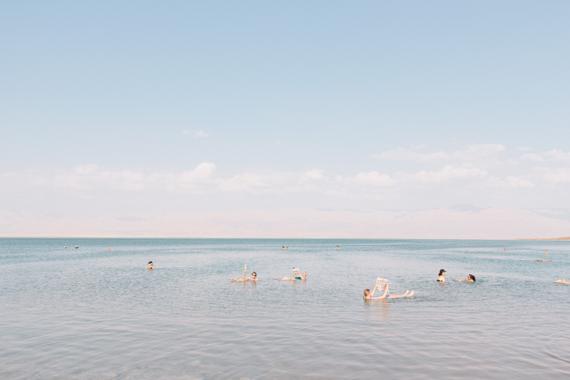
{"points": [[96, 313]]}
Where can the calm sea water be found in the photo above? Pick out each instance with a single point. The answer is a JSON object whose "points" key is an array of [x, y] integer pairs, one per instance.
{"points": [[96, 313]]}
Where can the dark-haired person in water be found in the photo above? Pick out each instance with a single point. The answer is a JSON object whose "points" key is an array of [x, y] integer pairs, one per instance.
{"points": [[150, 265], [252, 277], [441, 276], [470, 279]]}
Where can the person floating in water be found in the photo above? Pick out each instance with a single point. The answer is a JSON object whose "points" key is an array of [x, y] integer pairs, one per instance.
{"points": [[441, 276], [244, 277], [296, 275], [150, 265], [252, 277], [562, 281], [383, 285]]}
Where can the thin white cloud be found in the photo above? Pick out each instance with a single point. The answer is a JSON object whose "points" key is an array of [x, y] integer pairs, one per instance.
{"points": [[92, 177], [202, 171], [448, 173], [481, 150], [190, 178], [200, 134], [84, 177], [314, 174], [556, 175], [518, 182], [374, 178], [197, 134], [553, 155], [409, 154], [423, 155], [248, 182], [534, 157]]}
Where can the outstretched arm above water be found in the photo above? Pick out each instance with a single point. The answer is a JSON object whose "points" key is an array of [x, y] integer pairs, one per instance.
{"points": [[383, 296]]}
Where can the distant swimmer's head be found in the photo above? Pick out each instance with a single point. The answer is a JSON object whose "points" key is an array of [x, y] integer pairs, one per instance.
{"points": [[441, 275], [471, 278], [254, 275], [149, 263], [366, 294]]}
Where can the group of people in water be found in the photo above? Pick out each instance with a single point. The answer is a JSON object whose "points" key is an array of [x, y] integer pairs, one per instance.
{"points": [[380, 291], [383, 286], [296, 275], [441, 277]]}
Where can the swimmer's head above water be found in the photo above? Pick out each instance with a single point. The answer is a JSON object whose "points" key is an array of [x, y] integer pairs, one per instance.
{"points": [[441, 275], [471, 278], [367, 294]]}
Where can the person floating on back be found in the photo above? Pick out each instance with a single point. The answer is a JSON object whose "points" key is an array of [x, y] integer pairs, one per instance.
{"points": [[383, 285], [296, 275], [562, 281], [252, 277], [244, 277], [441, 276]]}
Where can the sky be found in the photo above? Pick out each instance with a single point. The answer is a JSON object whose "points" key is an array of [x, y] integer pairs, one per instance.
{"points": [[340, 119]]}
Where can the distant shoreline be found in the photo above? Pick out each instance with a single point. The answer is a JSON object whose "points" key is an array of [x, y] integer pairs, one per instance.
{"points": [[563, 238]]}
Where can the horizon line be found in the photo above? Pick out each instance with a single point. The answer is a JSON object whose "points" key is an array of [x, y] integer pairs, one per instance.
{"points": [[564, 238]]}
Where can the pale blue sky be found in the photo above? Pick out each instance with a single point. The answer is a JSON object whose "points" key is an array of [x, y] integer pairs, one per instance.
{"points": [[265, 90]]}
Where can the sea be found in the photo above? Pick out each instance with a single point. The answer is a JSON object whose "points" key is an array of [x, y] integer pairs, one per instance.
{"points": [[89, 309]]}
